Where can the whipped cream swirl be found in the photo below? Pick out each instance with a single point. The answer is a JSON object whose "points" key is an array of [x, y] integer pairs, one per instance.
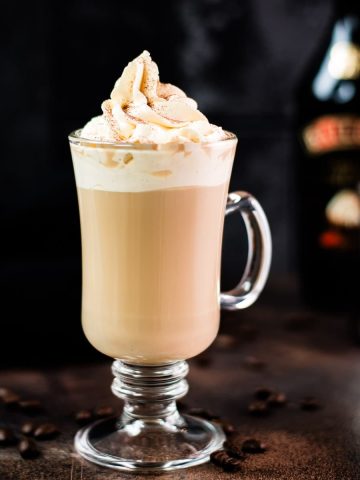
{"points": [[141, 109]]}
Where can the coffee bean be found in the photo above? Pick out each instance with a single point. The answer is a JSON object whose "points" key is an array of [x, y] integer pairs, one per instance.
{"points": [[218, 457], [83, 417], [28, 428], [277, 399], [228, 428], [225, 341], [202, 413], [254, 363], [310, 404], [258, 408], [253, 446], [46, 431], [263, 393], [11, 399], [5, 391], [227, 463], [28, 449], [7, 437], [234, 450], [31, 406], [103, 412]]}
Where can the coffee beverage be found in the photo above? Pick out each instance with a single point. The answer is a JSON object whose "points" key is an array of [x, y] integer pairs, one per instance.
{"points": [[151, 271], [152, 176], [151, 247]]}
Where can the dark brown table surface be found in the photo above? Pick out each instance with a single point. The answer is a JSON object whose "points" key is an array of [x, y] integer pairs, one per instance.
{"points": [[304, 353]]}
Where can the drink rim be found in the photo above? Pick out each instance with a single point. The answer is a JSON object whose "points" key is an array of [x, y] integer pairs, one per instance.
{"points": [[76, 138]]}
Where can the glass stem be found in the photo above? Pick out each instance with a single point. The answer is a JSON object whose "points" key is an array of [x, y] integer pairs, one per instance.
{"points": [[150, 392]]}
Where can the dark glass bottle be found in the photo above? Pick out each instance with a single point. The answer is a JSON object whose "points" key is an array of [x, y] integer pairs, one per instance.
{"points": [[328, 168]]}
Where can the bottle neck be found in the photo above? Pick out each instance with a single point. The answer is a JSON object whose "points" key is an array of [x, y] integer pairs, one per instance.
{"points": [[341, 61], [347, 18]]}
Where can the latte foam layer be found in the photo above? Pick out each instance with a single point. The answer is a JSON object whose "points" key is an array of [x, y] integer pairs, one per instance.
{"points": [[145, 168]]}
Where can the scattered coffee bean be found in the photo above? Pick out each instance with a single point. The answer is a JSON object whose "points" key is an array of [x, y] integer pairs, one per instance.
{"points": [[46, 431], [234, 450], [253, 446], [277, 399], [202, 413], [83, 417], [7, 437], [310, 404], [226, 342], [218, 457], [227, 463], [28, 428], [254, 363], [258, 408], [31, 406], [11, 399], [103, 412], [263, 393], [228, 428], [28, 449], [5, 391]]}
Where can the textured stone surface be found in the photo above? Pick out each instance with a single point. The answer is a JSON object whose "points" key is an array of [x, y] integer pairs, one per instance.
{"points": [[304, 355]]}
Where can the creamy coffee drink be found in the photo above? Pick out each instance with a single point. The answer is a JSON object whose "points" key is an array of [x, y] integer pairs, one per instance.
{"points": [[151, 269], [152, 176]]}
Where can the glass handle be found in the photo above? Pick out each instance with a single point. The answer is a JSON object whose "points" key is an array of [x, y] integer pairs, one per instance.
{"points": [[259, 252]]}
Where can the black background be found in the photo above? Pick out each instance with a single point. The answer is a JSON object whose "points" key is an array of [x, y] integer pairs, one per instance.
{"points": [[242, 60]]}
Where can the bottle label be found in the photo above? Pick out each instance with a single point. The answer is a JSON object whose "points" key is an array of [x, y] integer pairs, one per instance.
{"points": [[332, 132]]}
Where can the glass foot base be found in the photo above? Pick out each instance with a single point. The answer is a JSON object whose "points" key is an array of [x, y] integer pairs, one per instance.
{"points": [[149, 446]]}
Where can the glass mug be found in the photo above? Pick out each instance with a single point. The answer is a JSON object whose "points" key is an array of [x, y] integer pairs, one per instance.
{"points": [[151, 226]]}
